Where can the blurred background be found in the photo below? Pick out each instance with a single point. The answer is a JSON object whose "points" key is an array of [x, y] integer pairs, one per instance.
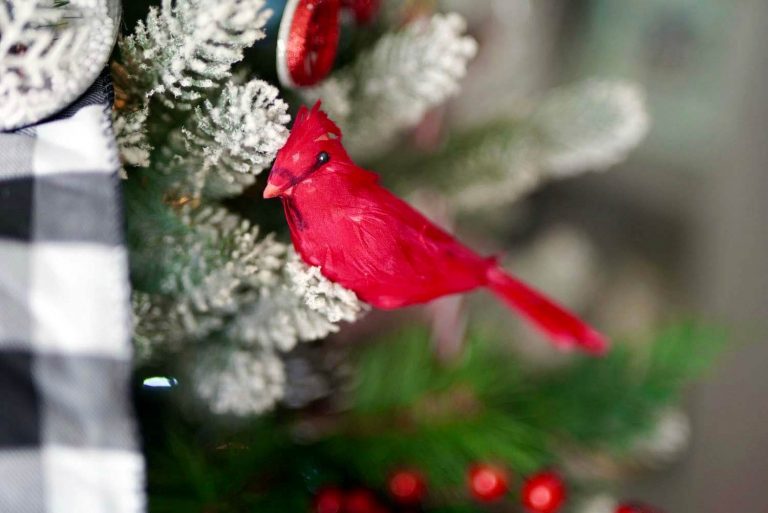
{"points": [[688, 206]]}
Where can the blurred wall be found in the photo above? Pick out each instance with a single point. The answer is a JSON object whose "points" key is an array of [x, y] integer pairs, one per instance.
{"points": [[727, 470]]}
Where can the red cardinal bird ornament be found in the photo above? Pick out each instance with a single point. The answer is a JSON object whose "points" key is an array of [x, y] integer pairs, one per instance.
{"points": [[370, 241]]}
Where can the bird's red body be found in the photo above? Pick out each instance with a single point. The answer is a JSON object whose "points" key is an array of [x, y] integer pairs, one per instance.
{"points": [[370, 241]]}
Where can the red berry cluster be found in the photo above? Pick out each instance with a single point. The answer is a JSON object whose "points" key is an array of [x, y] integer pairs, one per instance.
{"points": [[406, 487], [335, 500], [543, 492]]}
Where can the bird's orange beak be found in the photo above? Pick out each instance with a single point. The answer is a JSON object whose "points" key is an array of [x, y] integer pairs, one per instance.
{"points": [[271, 191], [279, 181]]}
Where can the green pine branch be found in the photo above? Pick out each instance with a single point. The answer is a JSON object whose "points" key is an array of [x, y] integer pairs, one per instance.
{"points": [[606, 403], [409, 410]]}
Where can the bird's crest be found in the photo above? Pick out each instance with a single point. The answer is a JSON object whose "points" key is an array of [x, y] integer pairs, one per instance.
{"points": [[314, 125], [313, 146]]}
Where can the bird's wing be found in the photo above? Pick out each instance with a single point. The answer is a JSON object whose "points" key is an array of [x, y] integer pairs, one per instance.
{"points": [[400, 256]]}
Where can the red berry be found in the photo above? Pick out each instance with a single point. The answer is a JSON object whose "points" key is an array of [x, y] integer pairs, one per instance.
{"points": [[543, 493], [361, 501], [407, 487], [328, 500], [635, 507], [487, 482]]}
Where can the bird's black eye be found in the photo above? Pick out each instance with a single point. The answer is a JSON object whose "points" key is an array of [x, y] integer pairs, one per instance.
{"points": [[323, 157]]}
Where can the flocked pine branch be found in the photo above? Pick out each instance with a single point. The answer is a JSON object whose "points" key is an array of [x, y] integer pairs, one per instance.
{"points": [[222, 146], [182, 54], [131, 136], [585, 127], [204, 270], [252, 292], [186, 48], [325, 297], [233, 280], [207, 284], [590, 127], [239, 382], [390, 87], [230, 141], [300, 304]]}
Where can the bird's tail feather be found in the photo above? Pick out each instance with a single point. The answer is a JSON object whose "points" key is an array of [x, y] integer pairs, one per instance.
{"points": [[564, 328]]}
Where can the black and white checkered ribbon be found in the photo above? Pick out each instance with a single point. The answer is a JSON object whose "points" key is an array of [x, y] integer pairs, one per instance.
{"points": [[68, 441]]}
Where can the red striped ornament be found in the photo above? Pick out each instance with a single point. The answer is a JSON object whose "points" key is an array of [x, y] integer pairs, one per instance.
{"points": [[307, 41]]}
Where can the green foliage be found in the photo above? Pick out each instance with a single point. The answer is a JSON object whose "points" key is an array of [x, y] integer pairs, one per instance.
{"points": [[421, 413], [623, 392], [148, 221], [409, 409]]}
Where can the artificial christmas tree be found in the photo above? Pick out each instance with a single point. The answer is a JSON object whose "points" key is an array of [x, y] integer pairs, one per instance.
{"points": [[258, 408]]}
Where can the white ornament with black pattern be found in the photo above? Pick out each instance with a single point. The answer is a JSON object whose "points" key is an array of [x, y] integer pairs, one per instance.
{"points": [[51, 51]]}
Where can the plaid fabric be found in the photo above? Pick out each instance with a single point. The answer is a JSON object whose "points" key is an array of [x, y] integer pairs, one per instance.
{"points": [[67, 435]]}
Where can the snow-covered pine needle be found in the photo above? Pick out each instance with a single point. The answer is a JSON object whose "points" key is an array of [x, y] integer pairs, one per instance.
{"points": [[131, 136], [239, 382], [589, 126], [252, 291], [187, 47], [230, 141]]}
